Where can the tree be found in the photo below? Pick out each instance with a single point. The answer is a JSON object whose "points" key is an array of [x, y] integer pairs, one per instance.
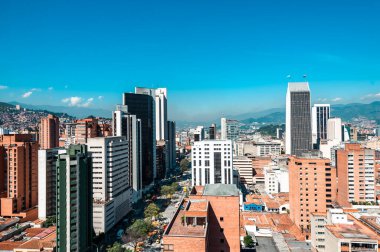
{"points": [[248, 242], [184, 164], [174, 186], [50, 221], [116, 247], [137, 231], [152, 210], [166, 190]]}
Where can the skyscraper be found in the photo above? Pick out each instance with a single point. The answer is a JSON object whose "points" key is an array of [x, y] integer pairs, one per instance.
{"points": [[142, 105], [229, 129], [298, 119], [320, 113], [128, 125], [20, 166], [49, 132], [110, 181], [212, 162], [74, 200]]}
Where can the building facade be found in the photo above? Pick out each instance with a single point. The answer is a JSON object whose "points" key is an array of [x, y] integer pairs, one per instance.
{"points": [[172, 146], [334, 129], [245, 169], [47, 182], [74, 200], [129, 126], [49, 132], [320, 113], [212, 162], [356, 174], [142, 105], [229, 129], [298, 119], [110, 179], [312, 188]]}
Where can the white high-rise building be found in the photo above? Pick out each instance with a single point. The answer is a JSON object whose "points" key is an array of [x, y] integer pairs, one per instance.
{"points": [[320, 113], [47, 182], [229, 129], [245, 169], [161, 111], [212, 162], [111, 185], [199, 134], [334, 129], [276, 179], [125, 124], [298, 119]]}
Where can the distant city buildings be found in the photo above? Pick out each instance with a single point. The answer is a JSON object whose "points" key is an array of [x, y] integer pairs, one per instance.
{"points": [[199, 134], [334, 130], [212, 162], [212, 131], [298, 119]]}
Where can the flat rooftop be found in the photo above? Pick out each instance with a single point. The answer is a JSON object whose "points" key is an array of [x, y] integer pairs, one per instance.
{"points": [[220, 190]]}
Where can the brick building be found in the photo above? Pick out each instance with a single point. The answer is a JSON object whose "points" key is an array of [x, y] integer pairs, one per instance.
{"points": [[49, 132], [206, 221]]}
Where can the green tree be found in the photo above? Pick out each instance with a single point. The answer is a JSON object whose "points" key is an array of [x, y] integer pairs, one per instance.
{"points": [[116, 247], [50, 221], [248, 241], [184, 165], [174, 186], [166, 190], [138, 230], [152, 210]]}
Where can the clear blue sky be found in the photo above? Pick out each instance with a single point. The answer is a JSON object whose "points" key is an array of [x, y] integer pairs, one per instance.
{"points": [[214, 57]]}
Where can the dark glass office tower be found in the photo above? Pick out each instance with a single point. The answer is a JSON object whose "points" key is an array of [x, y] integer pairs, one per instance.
{"points": [[212, 131], [142, 106], [298, 119]]}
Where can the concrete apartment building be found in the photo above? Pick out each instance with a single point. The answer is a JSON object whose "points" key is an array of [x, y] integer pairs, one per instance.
{"points": [[312, 188], [334, 129], [298, 119], [356, 174], [49, 132], [206, 221], [229, 129], [320, 113], [47, 182], [212, 162], [19, 163], [258, 164], [245, 169], [85, 129], [340, 231], [276, 179], [74, 200], [110, 181]]}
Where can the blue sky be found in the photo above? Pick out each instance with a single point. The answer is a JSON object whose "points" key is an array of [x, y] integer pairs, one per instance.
{"points": [[215, 57]]}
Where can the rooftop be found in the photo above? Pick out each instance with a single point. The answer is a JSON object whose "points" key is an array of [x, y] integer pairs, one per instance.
{"points": [[298, 87], [220, 190]]}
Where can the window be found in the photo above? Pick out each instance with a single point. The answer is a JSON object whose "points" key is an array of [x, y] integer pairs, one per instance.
{"points": [[221, 240], [222, 230], [221, 218]]}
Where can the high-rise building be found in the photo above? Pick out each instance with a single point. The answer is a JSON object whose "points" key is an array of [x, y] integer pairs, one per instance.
{"points": [[161, 113], [356, 174], [212, 132], [110, 181], [245, 169], [85, 129], [142, 106], [49, 132], [74, 200], [298, 119], [312, 188], [172, 154], [19, 173], [320, 113], [47, 182], [334, 129], [229, 129], [128, 125], [212, 162]]}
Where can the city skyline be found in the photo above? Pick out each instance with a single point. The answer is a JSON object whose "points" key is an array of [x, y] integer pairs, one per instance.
{"points": [[220, 59]]}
